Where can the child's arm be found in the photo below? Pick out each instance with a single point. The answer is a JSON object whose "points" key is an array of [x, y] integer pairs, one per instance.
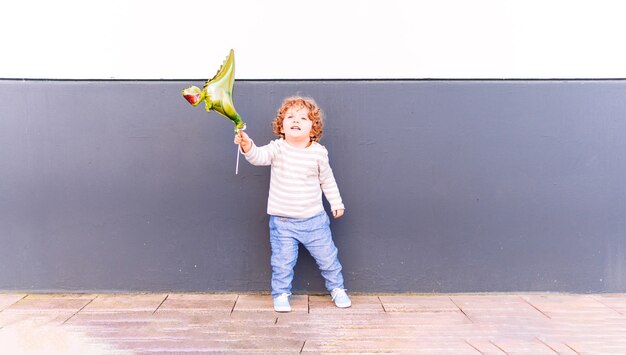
{"points": [[255, 155], [329, 186]]}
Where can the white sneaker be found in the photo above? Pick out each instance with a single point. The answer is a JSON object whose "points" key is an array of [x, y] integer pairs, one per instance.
{"points": [[281, 303], [340, 297]]}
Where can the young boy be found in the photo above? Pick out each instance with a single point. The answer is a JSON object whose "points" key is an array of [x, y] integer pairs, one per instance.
{"points": [[300, 172]]}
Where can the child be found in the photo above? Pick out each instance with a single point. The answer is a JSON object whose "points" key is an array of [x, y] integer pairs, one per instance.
{"points": [[300, 172]]}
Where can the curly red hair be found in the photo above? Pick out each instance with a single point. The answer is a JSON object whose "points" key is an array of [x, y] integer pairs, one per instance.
{"points": [[315, 115]]}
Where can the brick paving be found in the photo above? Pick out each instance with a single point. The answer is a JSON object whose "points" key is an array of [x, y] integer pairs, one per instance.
{"points": [[534, 323]]}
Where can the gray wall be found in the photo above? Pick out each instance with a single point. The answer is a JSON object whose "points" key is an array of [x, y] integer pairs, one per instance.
{"points": [[450, 186]]}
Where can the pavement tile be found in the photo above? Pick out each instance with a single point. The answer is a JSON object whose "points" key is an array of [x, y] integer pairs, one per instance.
{"points": [[9, 298], [416, 346], [362, 326], [257, 317], [417, 304], [563, 302], [211, 320], [523, 318], [265, 303], [376, 334], [428, 319], [322, 321], [50, 302], [136, 333], [125, 302], [188, 316], [572, 307], [616, 303], [153, 330], [112, 319], [514, 346], [189, 320], [598, 347], [33, 338], [212, 345], [199, 302], [360, 304], [492, 302], [485, 346], [9, 319], [491, 324], [421, 320], [592, 318], [528, 314], [559, 347]]}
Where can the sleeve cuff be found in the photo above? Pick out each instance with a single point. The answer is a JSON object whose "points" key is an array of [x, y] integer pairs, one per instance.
{"points": [[338, 207], [250, 151]]}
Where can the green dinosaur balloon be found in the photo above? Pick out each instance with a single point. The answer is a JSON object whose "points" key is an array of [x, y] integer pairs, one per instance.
{"points": [[217, 93]]}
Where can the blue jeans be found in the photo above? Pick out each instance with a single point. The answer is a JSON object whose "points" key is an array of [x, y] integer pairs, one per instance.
{"points": [[314, 233]]}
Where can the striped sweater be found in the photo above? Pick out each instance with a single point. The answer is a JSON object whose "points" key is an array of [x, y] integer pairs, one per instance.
{"points": [[298, 178]]}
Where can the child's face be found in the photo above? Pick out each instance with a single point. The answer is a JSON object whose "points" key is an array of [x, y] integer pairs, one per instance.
{"points": [[296, 124]]}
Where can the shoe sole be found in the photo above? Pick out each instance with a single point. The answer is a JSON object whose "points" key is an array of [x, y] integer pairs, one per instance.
{"points": [[343, 305], [282, 309]]}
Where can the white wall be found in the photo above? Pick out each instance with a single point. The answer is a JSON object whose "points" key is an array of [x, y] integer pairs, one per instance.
{"points": [[322, 39]]}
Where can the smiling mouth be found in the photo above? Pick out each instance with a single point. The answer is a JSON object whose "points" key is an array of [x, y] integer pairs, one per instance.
{"points": [[295, 128]]}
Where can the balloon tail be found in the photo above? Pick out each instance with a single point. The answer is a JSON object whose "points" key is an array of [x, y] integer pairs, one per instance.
{"points": [[237, 166]]}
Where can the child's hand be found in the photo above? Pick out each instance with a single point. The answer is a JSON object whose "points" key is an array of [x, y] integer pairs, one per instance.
{"points": [[338, 213], [243, 140]]}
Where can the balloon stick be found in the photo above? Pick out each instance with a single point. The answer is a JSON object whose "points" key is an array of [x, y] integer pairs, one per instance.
{"points": [[237, 166]]}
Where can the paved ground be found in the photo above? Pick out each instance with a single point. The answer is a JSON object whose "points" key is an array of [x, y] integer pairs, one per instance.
{"points": [[233, 323]]}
